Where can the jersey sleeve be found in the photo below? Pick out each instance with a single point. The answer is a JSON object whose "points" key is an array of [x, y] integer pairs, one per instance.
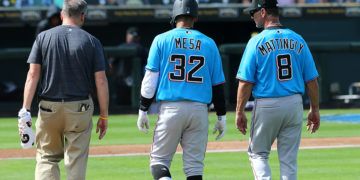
{"points": [[218, 73], [247, 65], [309, 70], [100, 62], [35, 56], [153, 62]]}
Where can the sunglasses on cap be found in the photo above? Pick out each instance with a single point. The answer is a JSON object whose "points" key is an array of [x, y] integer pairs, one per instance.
{"points": [[252, 12]]}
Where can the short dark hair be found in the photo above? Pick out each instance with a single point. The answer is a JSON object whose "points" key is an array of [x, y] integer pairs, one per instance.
{"points": [[272, 11], [134, 31], [74, 7]]}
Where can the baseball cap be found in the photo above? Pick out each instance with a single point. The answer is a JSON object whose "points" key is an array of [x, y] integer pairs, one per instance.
{"points": [[257, 4], [133, 31], [53, 11]]}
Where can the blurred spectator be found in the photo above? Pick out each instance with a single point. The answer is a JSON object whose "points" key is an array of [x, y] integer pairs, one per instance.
{"points": [[96, 2], [161, 2], [133, 39], [52, 19], [58, 3], [311, 1], [121, 69], [155, 2], [220, 1], [282, 3], [24, 3], [166, 2], [343, 1], [246, 2], [217, 1], [44, 2], [124, 2], [111, 2], [7, 3]]}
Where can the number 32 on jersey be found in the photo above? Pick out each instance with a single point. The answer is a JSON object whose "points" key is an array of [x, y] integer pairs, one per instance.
{"points": [[180, 63]]}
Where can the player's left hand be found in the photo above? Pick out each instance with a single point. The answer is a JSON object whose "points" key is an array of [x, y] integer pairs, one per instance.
{"points": [[313, 122], [102, 126], [220, 126], [143, 121]]}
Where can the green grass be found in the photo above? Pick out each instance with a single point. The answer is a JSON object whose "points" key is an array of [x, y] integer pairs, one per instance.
{"points": [[319, 164], [316, 164], [122, 130]]}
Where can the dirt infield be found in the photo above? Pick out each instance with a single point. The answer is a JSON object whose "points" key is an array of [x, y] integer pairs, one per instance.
{"points": [[212, 146]]}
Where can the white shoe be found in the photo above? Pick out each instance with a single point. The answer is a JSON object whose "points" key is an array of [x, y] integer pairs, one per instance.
{"points": [[165, 178]]}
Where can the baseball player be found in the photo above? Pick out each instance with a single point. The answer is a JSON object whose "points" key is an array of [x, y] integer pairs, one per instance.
{"points": [[184, 70], [275, 67]]}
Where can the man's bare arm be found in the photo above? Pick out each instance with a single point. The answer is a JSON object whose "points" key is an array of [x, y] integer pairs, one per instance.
{"points": [[313, 123], [32, 80], [243, 95], [313, 92], [102, 92]]}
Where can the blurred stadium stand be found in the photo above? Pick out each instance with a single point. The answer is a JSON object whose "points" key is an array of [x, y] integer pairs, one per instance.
{"points": [[331, 29]]}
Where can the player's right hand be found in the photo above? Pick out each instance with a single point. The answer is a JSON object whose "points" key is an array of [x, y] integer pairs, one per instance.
{"points": [[25, 131], [241, 122], [24, 118], [143, 121], [313, 122]]}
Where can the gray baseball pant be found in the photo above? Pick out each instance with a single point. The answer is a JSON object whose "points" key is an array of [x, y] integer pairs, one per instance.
{"points": [[183, 122], [281, 119]]}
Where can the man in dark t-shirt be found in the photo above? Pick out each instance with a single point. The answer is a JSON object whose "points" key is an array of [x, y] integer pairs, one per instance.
{"points": [[69, 63], [69, 56]]}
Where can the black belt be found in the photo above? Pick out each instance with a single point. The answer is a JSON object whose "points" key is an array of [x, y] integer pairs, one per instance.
{"points": [[64, 99]]}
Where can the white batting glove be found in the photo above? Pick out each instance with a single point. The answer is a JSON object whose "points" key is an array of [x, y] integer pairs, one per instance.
{"points": [[143, 121], [25, 131], [220, 126]]}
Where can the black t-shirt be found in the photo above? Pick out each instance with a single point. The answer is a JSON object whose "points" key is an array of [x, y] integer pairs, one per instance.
{"points": [[69, 57]]}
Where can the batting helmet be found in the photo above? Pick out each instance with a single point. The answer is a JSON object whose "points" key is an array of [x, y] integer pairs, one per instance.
{"points": [[184, 7]]}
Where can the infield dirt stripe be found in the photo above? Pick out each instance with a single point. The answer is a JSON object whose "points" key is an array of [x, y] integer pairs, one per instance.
{"points": [[222, 146]]}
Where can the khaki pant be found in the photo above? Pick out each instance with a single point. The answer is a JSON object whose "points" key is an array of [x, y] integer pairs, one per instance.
{"points": [[63, 131]]}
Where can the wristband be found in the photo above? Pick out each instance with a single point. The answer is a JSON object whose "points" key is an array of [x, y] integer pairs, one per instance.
{"points": [[26, 109], [103, 118], [222, 118], [141, 112]]}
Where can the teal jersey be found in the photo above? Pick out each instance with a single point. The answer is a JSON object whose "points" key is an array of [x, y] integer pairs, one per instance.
{"points": [[278, 62], [188, 63]]}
